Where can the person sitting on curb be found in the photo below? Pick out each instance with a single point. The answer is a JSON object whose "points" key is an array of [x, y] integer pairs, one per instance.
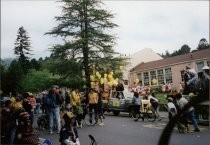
{"points": [[68, 133]]}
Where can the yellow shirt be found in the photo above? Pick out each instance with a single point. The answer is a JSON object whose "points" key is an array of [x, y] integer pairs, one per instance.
{"points": [[75, 98], [12, 100], [93, 98], [16, 106]]}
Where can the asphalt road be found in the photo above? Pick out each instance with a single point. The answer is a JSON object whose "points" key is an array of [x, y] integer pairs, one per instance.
{"points": [[122, 130]]}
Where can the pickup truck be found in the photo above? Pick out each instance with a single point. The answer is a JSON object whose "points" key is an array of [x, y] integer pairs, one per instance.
{"points": [[117, 105]]}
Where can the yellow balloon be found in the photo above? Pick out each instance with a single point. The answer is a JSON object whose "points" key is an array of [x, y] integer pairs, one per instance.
{"points": [[105, 75], [110, 76], [97, 73], [117, 79], [110, 84], [115, 82], [154, 81], [137, 81], [99, 76], [92, 78], [102, 81], [111, 73], [105, 80], [92, 84]]}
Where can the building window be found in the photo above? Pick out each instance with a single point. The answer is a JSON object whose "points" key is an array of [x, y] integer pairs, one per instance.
{"points": [[146, 78], [153, 76], [182, 75], [160, 77], [168, 75], [139, 77], [200, 65]]}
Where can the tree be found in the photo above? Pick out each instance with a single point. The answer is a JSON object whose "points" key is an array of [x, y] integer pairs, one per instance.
{"points": [[36, 81], [3, 85], [22, 48], [203, 44], [35, 64], [184, 49], [13, 77], [82, 25]]}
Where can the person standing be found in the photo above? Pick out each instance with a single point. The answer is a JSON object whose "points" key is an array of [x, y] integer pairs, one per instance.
{"points": [[53, 103], [190, 78], [100, 107], [67, 99], [76, 104], [43, 102], [93, 103], [28, 106], [136, 101], [155, 105], [190, 113], [171, 108]]}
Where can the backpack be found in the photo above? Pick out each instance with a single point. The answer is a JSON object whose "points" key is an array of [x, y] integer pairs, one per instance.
{"points": [[50, 101]]}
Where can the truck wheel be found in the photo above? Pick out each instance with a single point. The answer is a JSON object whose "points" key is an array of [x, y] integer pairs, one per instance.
{"points": [[116, 113]]}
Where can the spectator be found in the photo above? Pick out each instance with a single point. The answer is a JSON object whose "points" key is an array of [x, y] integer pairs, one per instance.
{"points": [[28, 106], [68, 133], [93, 103], [171, 108], [136, 104], [43, 102], [38, 105], [53, 102], [181, 102], [76, 104], [119, 90], [15, 111], [190, 78], [75, 98], [100, 107], [155, 105], [6, 121], [67, 99]]}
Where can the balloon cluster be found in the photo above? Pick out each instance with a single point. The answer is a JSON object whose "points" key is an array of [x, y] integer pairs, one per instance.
{"points": [[106, 79]]}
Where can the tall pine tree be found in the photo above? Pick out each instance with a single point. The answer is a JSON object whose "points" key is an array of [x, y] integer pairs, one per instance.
{"points": [[22, 48], [84, 26]]}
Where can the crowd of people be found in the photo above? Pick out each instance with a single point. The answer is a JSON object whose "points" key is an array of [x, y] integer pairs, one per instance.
{"points": [[66, 112]]}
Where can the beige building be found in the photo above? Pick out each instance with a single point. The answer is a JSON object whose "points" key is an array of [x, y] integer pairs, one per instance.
{"points": [[144, 55], [169, 70]]}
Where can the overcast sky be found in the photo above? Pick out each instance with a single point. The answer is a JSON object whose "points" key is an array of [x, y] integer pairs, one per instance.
{"points": [[159, 25]]}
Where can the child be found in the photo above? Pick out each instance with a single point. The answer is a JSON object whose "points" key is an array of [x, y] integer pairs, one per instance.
{"points": [[171, 108], [68, 133]]}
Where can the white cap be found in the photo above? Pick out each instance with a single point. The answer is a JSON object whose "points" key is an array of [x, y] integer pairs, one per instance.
{"points": [[205, 67]]}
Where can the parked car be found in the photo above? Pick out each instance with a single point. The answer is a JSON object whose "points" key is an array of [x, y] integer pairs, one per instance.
{"points": [[117, 105]]}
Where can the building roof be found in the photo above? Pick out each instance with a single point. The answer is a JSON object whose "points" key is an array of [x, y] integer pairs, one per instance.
{"points": [[173, 60], [144, 55]]}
